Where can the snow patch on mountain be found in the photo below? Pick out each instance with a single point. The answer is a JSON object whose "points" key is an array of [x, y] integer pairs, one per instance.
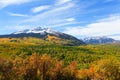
{"points": [[37, 30]]}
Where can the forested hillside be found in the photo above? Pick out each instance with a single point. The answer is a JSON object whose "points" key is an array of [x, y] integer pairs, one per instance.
{"points": [[35, 61]]}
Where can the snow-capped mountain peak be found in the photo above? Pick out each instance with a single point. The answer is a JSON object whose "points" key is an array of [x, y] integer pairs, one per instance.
{"points": [[36, 30], [45, 33], [98, 40]]}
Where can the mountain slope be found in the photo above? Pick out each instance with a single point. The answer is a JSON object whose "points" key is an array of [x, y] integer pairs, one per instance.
{"points": [[99, 40], [44, 34]]}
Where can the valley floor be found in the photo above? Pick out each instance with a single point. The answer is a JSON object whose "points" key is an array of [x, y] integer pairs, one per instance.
{"points": [[58, 62]]}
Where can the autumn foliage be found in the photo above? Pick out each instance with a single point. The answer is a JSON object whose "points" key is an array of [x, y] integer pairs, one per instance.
{"points": [[44, 67], [36, 67]]}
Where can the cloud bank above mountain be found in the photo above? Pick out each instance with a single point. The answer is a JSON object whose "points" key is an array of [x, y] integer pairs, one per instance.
{"points": [[81, 18]]}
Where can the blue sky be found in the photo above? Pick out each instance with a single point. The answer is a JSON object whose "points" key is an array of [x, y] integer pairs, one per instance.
{"points": [[80, 18]]}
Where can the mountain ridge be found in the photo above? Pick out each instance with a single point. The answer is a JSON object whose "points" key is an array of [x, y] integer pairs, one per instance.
{"points": [[99, 40], [43, 33]]}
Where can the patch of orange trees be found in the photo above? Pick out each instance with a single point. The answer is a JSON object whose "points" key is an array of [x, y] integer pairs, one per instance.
{"points": [[44, 67]]}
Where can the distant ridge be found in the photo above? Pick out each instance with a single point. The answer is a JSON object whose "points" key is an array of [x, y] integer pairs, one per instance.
{"points": [[99, 40]]}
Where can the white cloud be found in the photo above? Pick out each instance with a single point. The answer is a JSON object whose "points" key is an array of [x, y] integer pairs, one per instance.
{"points": [[70, 19], [63, 24], [5, 3], [52, 16], [104, 27], [40, 8], [117, 37], [18, 15], [60, 2]]}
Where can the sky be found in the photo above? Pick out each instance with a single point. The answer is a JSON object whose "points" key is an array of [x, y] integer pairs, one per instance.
{"points": [[80, 18]]}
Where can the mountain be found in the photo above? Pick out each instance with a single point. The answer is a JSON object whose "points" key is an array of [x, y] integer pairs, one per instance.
{"points": [[45, 34], [99, 40], [37, 30]]}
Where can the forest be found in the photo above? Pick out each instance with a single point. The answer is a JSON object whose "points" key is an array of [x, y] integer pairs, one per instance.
{"points": [[23, 61]]}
